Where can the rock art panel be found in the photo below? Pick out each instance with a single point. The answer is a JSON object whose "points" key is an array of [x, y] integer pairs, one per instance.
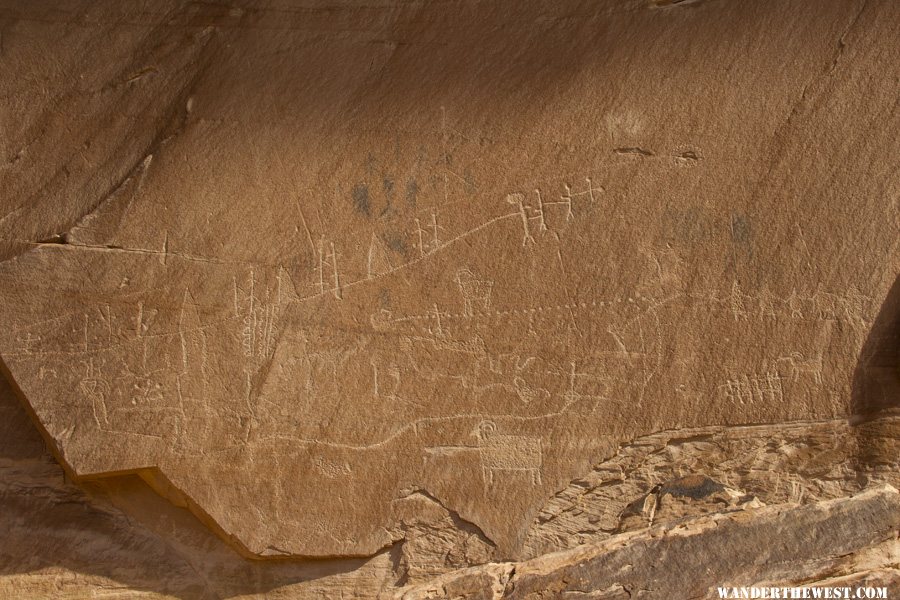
{"points": [[332, 289]]}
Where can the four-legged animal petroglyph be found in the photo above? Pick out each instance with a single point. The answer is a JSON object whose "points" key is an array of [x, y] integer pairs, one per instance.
{"points": [[501, 453], [801, 365]]}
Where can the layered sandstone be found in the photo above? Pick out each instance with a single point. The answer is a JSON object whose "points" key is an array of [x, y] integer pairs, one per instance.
{"points": [[378, 295]]}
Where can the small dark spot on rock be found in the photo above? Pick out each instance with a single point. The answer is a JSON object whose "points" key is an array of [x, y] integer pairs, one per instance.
{"points": [[635, 150], [691, 486], [470, 182], [384, 298], [740, 229], [58, 238], [395, 242], [361, 199], [636, 507], [689, 155], [633, 508], [412, 192]]}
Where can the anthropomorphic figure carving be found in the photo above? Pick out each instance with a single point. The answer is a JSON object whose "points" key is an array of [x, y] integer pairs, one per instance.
{"points": [[476, 292]]}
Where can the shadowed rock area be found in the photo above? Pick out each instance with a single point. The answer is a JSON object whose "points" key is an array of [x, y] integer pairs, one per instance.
{"points": [[404, 299]]}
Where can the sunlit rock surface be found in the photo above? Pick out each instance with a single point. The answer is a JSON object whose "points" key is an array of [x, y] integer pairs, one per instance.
{"points": [[373, 294]]}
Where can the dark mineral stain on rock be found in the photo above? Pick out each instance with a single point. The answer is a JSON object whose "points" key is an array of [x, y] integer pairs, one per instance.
{"points": [[361, 199], [412, 192], [740, 230], [395, 242], [691, 486]]}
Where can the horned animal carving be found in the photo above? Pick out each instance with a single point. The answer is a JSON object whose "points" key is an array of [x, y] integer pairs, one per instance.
{"points": [[507, 453]]}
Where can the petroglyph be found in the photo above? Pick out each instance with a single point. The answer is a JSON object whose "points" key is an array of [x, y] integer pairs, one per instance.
{"points": [[327, 269], [378, 261], [501, 453], [331, 469], [532, 209], [801, 365], [755, 388], [343, 281], [96, 390], [476, 292], [429, 236]]}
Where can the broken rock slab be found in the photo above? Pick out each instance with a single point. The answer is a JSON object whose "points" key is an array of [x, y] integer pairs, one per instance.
{"points": [[847, 539]]}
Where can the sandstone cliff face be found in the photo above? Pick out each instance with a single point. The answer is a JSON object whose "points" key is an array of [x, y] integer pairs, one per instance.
{"points": [[424, 300]]}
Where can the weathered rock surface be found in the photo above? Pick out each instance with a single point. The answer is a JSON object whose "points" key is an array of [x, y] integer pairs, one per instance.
{"points": [[384, 291], [116, 538], [768, 545], [673, 474]]}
